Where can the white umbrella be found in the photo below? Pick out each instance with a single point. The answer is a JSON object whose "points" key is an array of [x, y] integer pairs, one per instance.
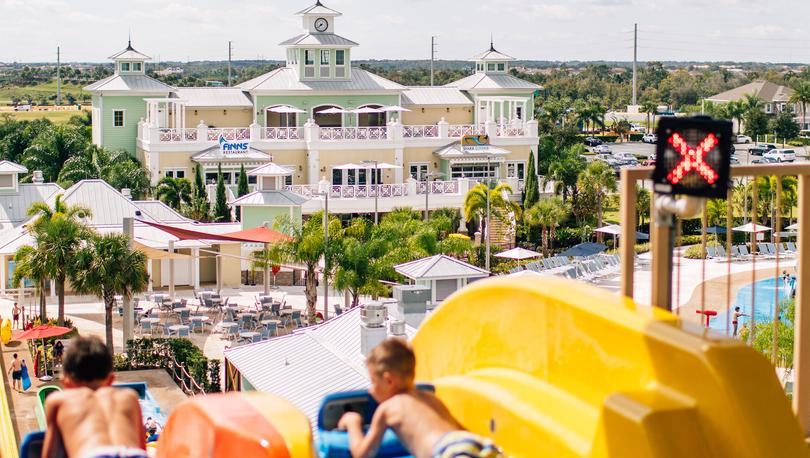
{"points": [[380, 165], [333, 110], [285, 109], [526, 273], [394, 108], [349, 166], [750, 227], [518, 254], [793, 227], [365, 110], [612, 229]]}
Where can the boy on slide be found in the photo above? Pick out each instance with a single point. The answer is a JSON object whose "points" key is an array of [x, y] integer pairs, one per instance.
{"points": [[420, 420], [90, 419]]}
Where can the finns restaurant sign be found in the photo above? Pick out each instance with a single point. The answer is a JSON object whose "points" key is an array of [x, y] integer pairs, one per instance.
{"points": [[233, 147]]}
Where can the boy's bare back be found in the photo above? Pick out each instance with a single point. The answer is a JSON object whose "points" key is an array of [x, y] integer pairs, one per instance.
{"points": [[83, 419], [419, 418]]}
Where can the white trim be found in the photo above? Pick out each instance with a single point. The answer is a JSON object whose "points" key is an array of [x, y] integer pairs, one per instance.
{"points": [[123, 117]]}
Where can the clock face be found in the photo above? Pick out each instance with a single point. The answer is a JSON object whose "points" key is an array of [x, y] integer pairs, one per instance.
{"points": [[321, 24]]}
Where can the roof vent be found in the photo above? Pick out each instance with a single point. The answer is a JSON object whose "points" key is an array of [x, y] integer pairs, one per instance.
{"points": [[373, 314], [37, 177], [397, 328], [126, 192]]}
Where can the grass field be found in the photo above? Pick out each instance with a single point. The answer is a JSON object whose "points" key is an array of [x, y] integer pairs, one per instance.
{"points": [[39, 92], [57, 117]]}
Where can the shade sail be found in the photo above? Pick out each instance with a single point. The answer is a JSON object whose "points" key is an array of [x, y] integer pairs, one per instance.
{"points": [[42, 331], [616, 230], [257, 235], [518, 253], [153, 253], [584, 249], [793, 227]]}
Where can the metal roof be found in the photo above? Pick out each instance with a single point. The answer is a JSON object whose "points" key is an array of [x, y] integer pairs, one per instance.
{"points": [[129, 54], [492, 54], [107, 205], [13, 239], [14, 205], [134, 83], [214, 154], [492, 81], [308, 364], [271, 198], [159, 211], [438, 267], [444, 96], [11, 167], [272, 169], [324, 39], [286, 79], [764, 90], [213, 97], [319, 9]]}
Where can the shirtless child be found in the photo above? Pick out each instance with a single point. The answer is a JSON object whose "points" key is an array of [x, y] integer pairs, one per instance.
{"points": [[420, 420], [90, 419], [16, 373]]}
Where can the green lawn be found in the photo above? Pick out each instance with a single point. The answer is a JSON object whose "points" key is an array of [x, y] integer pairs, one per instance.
{"points": [[57, 117], [40, 91]]}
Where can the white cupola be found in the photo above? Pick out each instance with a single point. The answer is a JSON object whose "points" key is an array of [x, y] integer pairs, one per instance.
{"points": [[129, 61], [318, 18], [492, 61]]}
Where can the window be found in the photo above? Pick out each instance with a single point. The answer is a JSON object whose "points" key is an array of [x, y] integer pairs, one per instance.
{"points": [[288, 180], [501, 67], [491, 67], [118, 118], [211, 177], [136, 66], [768, 108], [516, 170], [175, 173], [124, 66], [6, 182], [418, 171], [337, 177], [519, 112], [308, 58], [340, 57], [474, 171], [325, 57]]}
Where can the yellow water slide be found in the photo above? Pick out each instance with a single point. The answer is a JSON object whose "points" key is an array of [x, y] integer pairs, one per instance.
{"points": [[551, 367]]}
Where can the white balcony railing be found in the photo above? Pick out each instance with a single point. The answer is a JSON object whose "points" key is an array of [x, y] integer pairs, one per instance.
{"points": [[177, 135], [306, 190], [231, 134], [283, 133], [353, 133], [511, 131], [460, 130], [439, 187], [431, 131]]}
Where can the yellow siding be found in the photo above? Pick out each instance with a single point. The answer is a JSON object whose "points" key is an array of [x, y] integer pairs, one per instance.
{"points": [[231, 267], [420, 155], [420, 115], [156, 273], [330, 159], [219, 117], [208, 268], [176, 160], [296, 158]]}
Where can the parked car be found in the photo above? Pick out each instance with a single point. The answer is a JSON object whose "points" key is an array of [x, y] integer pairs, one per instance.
{"points": [[638, 128], [592, 141], [743, 139], [764, 160], [602, 149], [649, 163], [734, 160], [649, 138], [781, 155], [767, 146], [625, 157], [757, 151]]}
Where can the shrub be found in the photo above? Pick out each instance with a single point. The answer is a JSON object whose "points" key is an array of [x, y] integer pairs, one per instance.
{"points": [[696, 251], [157, 354]]}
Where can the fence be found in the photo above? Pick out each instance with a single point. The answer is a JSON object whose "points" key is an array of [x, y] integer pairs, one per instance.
{"points": [[194, 373]]}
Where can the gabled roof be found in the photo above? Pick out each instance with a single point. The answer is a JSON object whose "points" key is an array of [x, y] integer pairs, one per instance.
{"points": [[14, 206], [286, 79], [316, 39], [272, 169], [214, 154], [213, 97], [129, 54], [159, 211], [764, 90], [318, 9], [444, 96], [134, 83], [478, 81], [11, 167], [277, 198], [107, 205], [439, 267], [492, 54], [293, 366]]}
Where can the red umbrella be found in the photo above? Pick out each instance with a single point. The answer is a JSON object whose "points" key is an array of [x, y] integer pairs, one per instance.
{"points": [[43, 331]]}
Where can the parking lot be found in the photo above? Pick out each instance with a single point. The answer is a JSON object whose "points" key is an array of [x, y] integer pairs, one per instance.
{"points": [[643, 150]]}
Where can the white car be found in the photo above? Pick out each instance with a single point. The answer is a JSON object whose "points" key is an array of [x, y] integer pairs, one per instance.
{"points": [[780, 155], [743, 139], [625, 156], [601, 149], [638, 128], [649, 138]]}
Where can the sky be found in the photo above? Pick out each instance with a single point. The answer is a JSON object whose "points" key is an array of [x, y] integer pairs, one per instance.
{"points": [[181, 30]]}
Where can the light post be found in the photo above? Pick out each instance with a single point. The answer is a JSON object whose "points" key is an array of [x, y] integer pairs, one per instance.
{"points": [[325, 195], [489, 184], [376, 188], [427, 177]]}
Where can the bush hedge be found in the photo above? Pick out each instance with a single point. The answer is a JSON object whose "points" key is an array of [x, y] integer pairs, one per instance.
{"points": [[154, 354]]}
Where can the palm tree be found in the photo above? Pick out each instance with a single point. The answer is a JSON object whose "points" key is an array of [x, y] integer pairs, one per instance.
{"points": [[500, 207], [29, 263], [58, 231], [768, 186], [362, 249], [548, 213], [642, 204], [716, 210], [736, 110], [107, 266], [50, 150], [651, 108], [599, 178], [174, 192], [801, 97], [269, 258], [117, 168]]}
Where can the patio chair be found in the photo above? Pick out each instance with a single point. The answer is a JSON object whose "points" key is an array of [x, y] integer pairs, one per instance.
{"points": [[195, 323], [296, 318], [338, 310], [783, 249], [744, 251], [720, 252], [183, 316], [145, 326], [246, 323], [183, 332]]}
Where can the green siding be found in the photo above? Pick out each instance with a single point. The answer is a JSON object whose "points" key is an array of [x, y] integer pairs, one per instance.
{"points": [[317, 63], [255, 216], [307, 102], [529, 105], [121, 137], [246, 386]]}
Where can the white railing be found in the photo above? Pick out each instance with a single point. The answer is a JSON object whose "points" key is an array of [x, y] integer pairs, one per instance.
{"points": [[431, 131], [353, 133], [306, 190], [460, 130], [283, 133], [511, 131], [177, 135], [363, 191], [231, 134], [439, 187]]}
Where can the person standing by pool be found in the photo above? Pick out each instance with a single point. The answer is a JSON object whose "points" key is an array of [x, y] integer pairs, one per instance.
{"points": [[15, 315], [16, 373], [735, 318]]}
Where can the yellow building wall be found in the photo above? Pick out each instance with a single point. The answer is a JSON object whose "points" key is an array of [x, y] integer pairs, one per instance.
{"points": [[519, 153], [208, 268], [419, 155], [177, 160], [295, 158], [231, 267], [219, 117], [156, 272], [425, 115]]}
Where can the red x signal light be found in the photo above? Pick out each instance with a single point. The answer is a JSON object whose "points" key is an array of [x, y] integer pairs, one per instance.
{"points": [[693, 156]]}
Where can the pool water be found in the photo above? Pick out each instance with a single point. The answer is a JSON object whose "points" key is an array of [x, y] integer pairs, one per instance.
{"points": [[149, 407], [763, 303]]}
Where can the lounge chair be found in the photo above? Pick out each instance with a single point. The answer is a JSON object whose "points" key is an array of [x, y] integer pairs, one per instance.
{"points": [[744, 251], [792, 247]]}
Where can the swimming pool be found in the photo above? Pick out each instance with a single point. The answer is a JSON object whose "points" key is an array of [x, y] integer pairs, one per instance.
{"points": [[149, 407], [763, 303]]}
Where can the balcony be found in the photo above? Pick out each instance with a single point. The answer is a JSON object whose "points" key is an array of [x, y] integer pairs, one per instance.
{"points": [[424, 135]]}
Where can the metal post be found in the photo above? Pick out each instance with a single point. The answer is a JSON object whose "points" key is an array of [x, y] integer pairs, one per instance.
{"points": [[325, 256], [376, 195], [171, 269], [427, 195], [230, 49], [266, 262], [488, 214], [432, 57], [219, 271], [635, 58], [58, 76], [627, 207], [801, 352], [662, 246], [128, 227]]}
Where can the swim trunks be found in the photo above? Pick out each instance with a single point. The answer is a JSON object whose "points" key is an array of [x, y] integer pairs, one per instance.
{"points": [[115, 452], [457, 444], [16, 375]]}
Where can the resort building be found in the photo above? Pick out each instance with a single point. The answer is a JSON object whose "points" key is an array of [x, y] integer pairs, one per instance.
{"points": [[337, 128]]}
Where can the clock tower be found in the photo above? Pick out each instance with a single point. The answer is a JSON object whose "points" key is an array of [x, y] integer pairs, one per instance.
{"points": [[318, 18]]}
